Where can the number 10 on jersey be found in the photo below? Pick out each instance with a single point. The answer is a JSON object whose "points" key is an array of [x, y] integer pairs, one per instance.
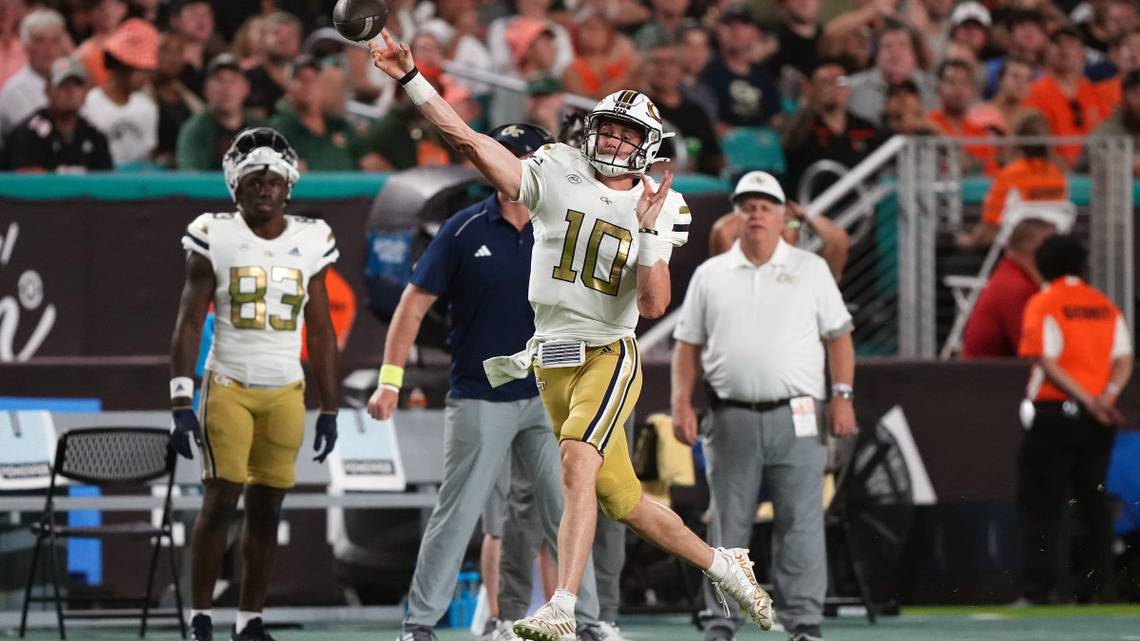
{"points": [[602, 229]]}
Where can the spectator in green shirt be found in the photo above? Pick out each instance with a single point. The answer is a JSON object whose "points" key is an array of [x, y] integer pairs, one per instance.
{"points": [[206, 136], [323, 142]]}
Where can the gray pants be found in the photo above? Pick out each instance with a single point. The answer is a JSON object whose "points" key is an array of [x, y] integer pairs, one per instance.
{"points": [[522, 538], [477, 437], [742, 450]]}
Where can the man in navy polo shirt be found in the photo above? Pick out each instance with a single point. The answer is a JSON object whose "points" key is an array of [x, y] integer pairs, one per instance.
{"points": [[480, 262]]}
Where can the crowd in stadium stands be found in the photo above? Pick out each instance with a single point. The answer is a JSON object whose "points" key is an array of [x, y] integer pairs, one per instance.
{"points": [[168, 83]]}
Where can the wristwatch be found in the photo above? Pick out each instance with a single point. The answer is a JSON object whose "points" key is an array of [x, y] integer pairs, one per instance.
{"points": [[843, 391]]}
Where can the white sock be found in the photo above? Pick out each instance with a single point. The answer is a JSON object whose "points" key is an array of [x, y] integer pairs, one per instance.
{"points": [[243, 619], [720, 565], [209, 614], [564, 599]]}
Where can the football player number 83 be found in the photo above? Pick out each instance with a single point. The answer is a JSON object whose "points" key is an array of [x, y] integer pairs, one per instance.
{"points": [[239, 299], [602, 229]]}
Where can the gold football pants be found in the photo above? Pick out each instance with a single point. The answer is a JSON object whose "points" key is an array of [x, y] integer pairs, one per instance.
{"points": [[591, 403], [251, 434]]}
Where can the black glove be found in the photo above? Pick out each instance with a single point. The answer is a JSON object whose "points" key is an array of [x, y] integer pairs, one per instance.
{"points": [[185, 426], [326, 434]]}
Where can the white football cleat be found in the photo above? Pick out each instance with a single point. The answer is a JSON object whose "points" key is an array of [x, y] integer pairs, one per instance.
{"points": [[740, 584], [549, 623], [610, 631], [503, 632]]}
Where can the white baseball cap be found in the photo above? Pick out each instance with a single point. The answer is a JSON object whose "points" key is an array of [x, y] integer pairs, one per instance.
{"points": [[968, 11], [759, 183]]}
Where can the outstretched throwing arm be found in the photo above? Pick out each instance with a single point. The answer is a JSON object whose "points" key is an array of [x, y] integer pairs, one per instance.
{"points": [[493, 160]]}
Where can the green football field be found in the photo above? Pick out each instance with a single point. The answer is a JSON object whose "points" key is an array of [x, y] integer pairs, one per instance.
{"points": [[1060, 623]]}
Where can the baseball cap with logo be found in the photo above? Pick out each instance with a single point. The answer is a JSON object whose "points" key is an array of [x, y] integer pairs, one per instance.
{"points": [[135, 44], [521, 138], [758, 183], [67, 68]]}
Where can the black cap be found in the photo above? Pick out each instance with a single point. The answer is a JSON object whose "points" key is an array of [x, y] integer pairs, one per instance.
{"points": [[521, 138], [303, 61], [223, 61], [737, 13], [1131, 79]]}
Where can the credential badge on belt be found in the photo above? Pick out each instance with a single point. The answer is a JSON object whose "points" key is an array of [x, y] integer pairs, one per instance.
{"points": [[561, 354]]}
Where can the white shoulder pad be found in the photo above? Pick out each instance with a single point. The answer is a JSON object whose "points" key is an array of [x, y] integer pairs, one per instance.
{"points": [[196, 238]]}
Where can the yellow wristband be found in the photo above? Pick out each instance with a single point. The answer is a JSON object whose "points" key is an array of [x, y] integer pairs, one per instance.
{"points": [[391, 375]]}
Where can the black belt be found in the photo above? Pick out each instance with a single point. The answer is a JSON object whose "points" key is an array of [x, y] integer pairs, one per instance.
{"points": [[762, 406]]}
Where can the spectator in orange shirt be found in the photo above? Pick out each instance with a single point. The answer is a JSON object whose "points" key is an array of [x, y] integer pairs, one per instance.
{"points": [[1073, 105], [956, 94], [1032, 177], [1082, 352]]}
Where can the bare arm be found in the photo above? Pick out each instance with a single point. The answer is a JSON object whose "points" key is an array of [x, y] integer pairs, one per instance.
{"points": [[405, 325], [981, 235], [843, 25], [724, 232], [841, 363], [197, 294], [653, 289], [1121, 373], [686, 366], [321, 339], [498, 165], [406, 321], [836, 242]]}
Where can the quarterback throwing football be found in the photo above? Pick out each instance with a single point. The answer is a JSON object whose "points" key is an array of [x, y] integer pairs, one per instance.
{"points": [[604, 233]]}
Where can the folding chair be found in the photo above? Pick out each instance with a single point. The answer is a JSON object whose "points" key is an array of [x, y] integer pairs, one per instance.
{"points": [[108, 458]]}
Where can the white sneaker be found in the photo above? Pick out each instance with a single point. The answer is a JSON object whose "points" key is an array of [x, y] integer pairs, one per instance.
{"points": [[740, 584], [549, 623], [503, 632], [610, 631]]}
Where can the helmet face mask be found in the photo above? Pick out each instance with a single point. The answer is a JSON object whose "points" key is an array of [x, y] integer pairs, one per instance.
{"points": [[627, 108], [257, 149]]}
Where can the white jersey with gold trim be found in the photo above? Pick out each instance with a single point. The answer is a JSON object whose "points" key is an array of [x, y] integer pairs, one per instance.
{"points": [[262, 289], [583, 279]]}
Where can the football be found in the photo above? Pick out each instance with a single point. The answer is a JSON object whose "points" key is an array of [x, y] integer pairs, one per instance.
{"points": [[360, 20]]}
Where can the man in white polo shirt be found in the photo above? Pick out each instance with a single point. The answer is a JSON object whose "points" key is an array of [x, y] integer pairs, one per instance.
{"points": [[760, 319]]}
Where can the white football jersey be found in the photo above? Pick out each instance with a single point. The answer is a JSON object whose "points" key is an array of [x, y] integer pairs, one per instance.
{"points": [[583, 277], [262, 288]]}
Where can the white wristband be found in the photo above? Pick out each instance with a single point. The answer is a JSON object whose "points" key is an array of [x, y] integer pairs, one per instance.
{"points": [[419, 89], [652, 250], [181, 387]]}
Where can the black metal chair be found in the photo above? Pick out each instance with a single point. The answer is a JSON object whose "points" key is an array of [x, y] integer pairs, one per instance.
{"points": [[108, 458]]}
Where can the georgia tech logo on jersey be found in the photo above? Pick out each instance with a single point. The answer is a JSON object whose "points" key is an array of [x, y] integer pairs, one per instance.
{"points": [[574, 179], [607, 200], [540, 383]]}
